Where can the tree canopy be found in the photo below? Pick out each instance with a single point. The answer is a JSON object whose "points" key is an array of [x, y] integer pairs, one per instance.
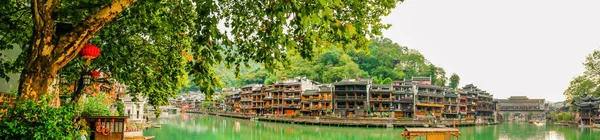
{"points": [[454, 81], [589, 82], [384, 61], [152, 46]]}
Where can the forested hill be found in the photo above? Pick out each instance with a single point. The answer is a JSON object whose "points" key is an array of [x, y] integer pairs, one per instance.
{"points": [[385, 61]]}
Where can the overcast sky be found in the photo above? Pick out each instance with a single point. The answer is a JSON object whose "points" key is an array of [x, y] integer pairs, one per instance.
{"points": [[510, 47]]}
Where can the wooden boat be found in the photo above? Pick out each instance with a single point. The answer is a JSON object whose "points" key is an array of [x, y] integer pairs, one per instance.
{"points": [[431, 133], [157, 126], [539, 123]]}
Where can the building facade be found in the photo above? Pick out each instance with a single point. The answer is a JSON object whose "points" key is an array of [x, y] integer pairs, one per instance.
{"points": [[350, 97], [520, 108], [403, 96]]}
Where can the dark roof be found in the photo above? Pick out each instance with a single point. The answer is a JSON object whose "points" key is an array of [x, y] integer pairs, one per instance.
{"points": [[450, 95], [249, 85], [485, 96], [309, 92], [352, 82], [421, 78], [518, 98], [430, 86], [589, 98], [470, 86], [324, 88]]}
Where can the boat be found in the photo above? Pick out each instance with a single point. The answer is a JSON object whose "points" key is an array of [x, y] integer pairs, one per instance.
{"points": [[539, 123], [157, 126], [431, 133]]}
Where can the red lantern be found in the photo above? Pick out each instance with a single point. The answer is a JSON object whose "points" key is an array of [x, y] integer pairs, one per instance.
{"points": [[95, 74], [89, 52]]}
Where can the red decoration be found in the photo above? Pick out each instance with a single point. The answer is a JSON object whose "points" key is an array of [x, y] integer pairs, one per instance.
{"points": [[89, 51], [95, 74]]}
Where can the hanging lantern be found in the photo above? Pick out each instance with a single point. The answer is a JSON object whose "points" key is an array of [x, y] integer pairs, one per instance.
{"points": [[89, 52], [87, 80], [95, 74]]}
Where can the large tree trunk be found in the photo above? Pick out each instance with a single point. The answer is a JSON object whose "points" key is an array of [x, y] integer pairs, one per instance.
{"points": [[50, 52]]}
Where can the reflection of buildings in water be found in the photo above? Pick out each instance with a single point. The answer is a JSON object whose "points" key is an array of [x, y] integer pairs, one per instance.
{"points": [[185, 116], [478, 129], [553, 135], [237, 126]]}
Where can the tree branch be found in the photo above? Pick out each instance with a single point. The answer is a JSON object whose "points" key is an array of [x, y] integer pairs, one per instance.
{"points": [[71, 43]]}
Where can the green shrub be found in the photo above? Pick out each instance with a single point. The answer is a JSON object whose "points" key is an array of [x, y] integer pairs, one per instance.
{"points": [[31, 120], [94, 106], [120, 108]]}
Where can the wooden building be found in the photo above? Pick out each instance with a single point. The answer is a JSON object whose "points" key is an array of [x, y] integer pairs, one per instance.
{"points": [[429, 98], [471, 100], [381, 100], [351, 97], [246, 95], [587, 110], [451, 104], [462, 104], [258, 104], [309, 101], [284, 96], [403, 96], [485, 107]]}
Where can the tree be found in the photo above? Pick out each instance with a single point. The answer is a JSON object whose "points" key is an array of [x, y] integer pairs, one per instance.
{"points": [[153, 45], [454, 81], [588, 83]]}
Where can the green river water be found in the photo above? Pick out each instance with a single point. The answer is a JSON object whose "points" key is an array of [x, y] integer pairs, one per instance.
{"points": [[207, 127]]}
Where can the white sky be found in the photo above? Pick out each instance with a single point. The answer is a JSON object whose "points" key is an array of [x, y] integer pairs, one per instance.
{"points": [[510, 47]]}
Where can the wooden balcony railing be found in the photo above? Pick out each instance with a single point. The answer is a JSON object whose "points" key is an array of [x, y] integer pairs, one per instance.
{"points": [[351, 98]]}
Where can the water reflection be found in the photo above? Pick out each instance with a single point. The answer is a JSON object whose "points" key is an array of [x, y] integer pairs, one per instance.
{"points": [[195, 126]]}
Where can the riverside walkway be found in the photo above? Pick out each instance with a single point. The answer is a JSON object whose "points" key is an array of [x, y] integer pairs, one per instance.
{"points": [[353, 122]]}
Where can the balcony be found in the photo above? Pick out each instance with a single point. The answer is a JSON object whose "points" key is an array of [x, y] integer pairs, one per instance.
{"points": [[350, 89], [379, 99], [291, 97], [351, 98], [381, 109], [450, 103], [405, 100], [291, 106], [404, 109], [325, 98], [351, 107], [450, 111]]}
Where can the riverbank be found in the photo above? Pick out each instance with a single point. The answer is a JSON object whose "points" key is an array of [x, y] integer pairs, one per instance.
{"points": [[352, 122]]}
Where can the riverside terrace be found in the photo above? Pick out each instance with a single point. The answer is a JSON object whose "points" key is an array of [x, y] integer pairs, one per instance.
{"points": [[409, 99]]}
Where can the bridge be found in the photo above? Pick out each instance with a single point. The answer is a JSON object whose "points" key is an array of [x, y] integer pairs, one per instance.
{"points": [[520, 108]]}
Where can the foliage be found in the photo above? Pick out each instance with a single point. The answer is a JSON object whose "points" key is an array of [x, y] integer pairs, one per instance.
{"points": [[383, 60], [454, 81], [564, 116], [379, 80], [207, 105], [588, 83], [32, 120], [95, 106], [152, 46], [157, 111], [552, 115], [120, 108]]}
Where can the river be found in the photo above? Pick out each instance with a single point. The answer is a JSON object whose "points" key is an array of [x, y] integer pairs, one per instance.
{"points": [[208, 127]]}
